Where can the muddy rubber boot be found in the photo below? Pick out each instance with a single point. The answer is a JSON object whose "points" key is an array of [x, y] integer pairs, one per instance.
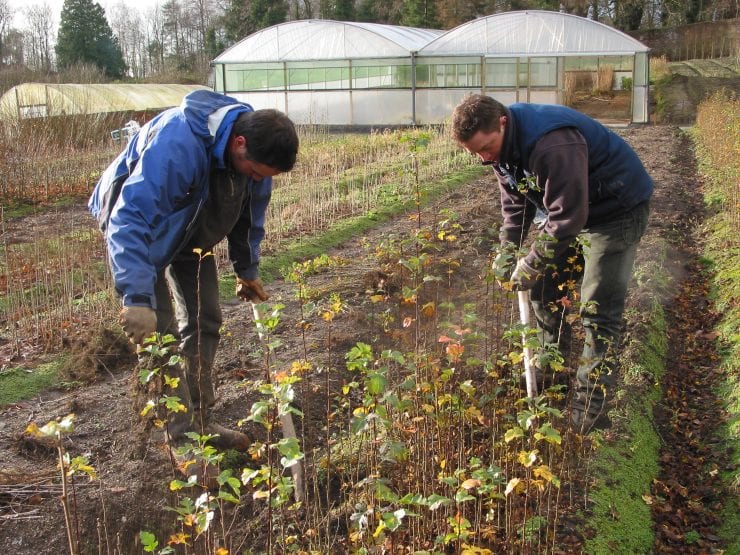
{"points": [[227, 438], [584, 422]]}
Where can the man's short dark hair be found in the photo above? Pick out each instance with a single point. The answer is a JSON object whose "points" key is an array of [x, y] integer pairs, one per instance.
{"points": [[271, 138], [476, 112]]}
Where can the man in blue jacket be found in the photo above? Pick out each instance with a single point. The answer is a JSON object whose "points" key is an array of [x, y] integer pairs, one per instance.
{"points": [[592, 187], [190, 177]]}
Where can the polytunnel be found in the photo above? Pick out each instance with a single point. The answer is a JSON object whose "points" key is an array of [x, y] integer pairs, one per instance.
{"points": [[532, 56], [326, 72], [369, 74], [31, 100]]}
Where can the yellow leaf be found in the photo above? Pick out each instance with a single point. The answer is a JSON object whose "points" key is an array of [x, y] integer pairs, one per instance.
{"points": [[527, 458], [428, 309], [148, 407], [178, 539], [379, 529], [222, 551], [473, 550], [513, 483], [543, 471]]}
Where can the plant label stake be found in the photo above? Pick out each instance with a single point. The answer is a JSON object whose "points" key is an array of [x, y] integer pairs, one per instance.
{"points": [[286, 420], [529, 375]]}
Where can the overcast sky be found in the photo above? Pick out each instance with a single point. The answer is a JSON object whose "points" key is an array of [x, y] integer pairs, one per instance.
{"points": [[56, 6]]}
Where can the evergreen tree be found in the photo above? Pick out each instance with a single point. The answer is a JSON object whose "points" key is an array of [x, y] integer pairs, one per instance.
{"points": [[366, 11], [266, 13], [86, 38], [244, 17], [420, 13], [344, 10]]}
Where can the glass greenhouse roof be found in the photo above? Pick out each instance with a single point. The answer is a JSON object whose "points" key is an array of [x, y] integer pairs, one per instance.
{"points": [[532, 33], [50, 99], [316, 39]]}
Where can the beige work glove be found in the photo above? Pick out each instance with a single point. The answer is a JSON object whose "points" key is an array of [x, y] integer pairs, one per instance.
{"points": [[251, 290], [139, 322], [524, 278]]}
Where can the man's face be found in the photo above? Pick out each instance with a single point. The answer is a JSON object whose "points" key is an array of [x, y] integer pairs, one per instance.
{"points": [[487, 144], [240, 162]]}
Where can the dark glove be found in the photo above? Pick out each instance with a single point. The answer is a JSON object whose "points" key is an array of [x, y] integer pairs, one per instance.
{"points": [[251, 290], [524, 278], [139, 322]]}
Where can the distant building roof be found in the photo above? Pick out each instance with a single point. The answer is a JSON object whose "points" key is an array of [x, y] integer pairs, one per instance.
{"points": [[50, 99]]}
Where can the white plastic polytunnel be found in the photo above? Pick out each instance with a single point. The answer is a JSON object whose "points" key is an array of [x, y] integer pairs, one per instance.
{"points": [[320, 39], [368, 74], [48, 99], [533, 33], [539, 56]]}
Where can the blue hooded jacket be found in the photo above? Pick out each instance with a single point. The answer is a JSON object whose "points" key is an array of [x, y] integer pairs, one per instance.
{"points": [[147, 201]]}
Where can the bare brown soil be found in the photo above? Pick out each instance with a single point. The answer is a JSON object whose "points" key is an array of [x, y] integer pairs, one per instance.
{"points": [[134, 468]]}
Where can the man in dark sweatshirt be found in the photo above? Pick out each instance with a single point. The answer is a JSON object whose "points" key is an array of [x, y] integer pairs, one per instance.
{"points": [[595, 194]]}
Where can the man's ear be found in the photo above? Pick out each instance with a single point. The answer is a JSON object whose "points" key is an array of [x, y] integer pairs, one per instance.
{"points": [[238, 141]]}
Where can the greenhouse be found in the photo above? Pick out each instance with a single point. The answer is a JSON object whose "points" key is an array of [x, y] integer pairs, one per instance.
{"points": [[347, 73], [326, 72], [33, 100], [531, 56]]}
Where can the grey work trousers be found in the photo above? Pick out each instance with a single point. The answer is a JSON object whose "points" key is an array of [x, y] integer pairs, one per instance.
{"points": [[192, 282], [605, 268]]}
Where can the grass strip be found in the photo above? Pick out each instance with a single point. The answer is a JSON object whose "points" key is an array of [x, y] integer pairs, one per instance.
{"points": [[624, 470], [271, 266], [716, 137], [17, 384]]}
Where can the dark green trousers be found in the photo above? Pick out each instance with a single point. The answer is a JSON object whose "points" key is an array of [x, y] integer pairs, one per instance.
{"points": [[604, 267], [192, 284]]}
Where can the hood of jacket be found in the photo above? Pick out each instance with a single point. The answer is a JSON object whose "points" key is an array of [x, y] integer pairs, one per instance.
{"points": [[211, 116]]}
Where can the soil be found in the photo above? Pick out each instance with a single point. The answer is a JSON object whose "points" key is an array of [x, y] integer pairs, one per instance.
{"points": [[134, 468]]}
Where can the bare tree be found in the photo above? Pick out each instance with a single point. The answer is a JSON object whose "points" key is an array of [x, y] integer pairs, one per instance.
{"points": [[39, 37], [6, 18], [127, 24]]}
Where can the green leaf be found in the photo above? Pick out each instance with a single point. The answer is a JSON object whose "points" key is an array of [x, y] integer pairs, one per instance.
{"points": [[436, 501], [290, 449], [548, 433], [513, 433], [358, 424], [148, 541], [462, 496], [173, 404], [376, 383]]}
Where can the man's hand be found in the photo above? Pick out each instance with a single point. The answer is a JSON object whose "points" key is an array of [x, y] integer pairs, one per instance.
{"points": [[251, 290], [139, 322], [524, 278]]}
